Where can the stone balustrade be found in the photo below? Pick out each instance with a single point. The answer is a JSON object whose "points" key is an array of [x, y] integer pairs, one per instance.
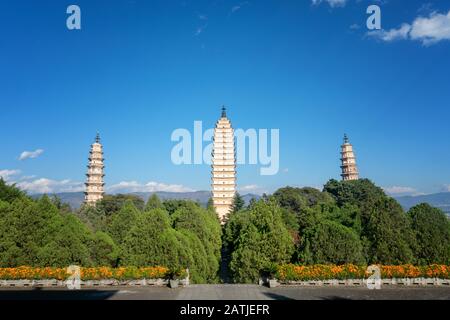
{"points": [[419, 282], [88, 283]]}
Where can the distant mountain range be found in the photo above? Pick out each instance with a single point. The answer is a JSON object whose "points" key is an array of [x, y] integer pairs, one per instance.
{"points": [[75, 199], [438, 200]]}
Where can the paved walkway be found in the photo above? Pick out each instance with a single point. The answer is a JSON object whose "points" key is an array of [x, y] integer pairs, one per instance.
{"points": [[231, 292], [223, 292]]}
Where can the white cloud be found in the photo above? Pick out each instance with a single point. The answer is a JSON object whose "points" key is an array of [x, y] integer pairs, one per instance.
{"points": [[134, 186], [446, 188], [30, 154], [204, 25], [252, 188], [200, 30], [393, 34], [7, 174], [44, 185], [239, 6], [249, 187], [426, 7], [332, 3], [23, 178], [402, 191], [429, 30]]}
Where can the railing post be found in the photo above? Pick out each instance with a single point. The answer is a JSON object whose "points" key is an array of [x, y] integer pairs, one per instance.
{"points": [[187, 277]]}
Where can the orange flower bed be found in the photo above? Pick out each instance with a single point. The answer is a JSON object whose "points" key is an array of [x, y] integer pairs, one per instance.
{"points": [[100, 273], [291, 272]]}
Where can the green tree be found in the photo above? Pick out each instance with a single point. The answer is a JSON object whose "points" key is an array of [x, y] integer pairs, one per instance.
{"points": [[389, 234], [61, 206], [192, 255], [431, 229], [252, 203], [210, 204], [386, 232], [123, 221], [347, 215], [172, 205], [34, 233], [296, 199], [259, 239], [95, 218], [329, 242], [111, 204], [153, 203], [206, 227], [69, 246], [238, 203], [290, 220], [9, 193], [104, 250], [151, 241], [363, 193]]}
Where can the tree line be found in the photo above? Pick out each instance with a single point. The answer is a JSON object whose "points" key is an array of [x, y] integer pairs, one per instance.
{"points": [[121, 230], [347, 222]]}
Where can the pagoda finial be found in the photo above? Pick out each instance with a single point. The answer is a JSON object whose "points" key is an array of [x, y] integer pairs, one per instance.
{"points": [[346, 140], [224, 112], [97, 137]]}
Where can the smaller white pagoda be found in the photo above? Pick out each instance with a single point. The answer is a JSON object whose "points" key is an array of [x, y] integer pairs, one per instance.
{"points": [[349, 169], [94, 183]]}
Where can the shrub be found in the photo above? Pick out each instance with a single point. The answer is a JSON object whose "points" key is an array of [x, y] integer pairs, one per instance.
{"points": [[329, 242], [257, 238]]}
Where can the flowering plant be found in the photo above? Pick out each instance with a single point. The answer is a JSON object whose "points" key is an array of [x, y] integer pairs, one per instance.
{"points": [[291, 272], [99, 273], [177, 274]]}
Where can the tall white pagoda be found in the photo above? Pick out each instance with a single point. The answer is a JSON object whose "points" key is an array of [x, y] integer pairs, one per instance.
{"points": [[348, 160], [94, 183], [223, 167]]}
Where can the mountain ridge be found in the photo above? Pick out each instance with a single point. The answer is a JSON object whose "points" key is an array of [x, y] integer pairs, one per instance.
{"points": [[439, 200], [75, 199]]}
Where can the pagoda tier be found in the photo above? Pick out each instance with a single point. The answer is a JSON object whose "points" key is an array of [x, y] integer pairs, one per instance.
{"points": [[95, 174], [223, 167], [348, 162]]}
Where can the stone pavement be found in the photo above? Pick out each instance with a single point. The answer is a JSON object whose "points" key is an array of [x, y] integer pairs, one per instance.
{"points": [[223, 292], [230, 292]]}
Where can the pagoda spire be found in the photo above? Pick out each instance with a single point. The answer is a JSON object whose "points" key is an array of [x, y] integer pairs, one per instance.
{"points": [[348, 160], [346, 140], [224, 112], [94, 182]]}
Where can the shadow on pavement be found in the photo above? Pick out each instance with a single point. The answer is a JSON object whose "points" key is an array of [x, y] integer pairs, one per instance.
{"points": [[275, 296], [335, 298], [40, 294]]}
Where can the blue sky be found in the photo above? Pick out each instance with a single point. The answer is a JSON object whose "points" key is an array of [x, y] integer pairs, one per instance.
{"points": [[140, 69]]}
